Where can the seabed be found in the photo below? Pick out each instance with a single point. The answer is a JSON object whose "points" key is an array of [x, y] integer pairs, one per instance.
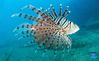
{"points": [[85, 48]]}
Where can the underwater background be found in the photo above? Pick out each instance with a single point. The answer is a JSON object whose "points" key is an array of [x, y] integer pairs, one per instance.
{"points": [[85, 13]]}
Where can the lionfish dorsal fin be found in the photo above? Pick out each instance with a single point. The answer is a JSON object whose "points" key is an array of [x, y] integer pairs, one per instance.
{"points": [[53, 10], [66, 12], [60, 13]]}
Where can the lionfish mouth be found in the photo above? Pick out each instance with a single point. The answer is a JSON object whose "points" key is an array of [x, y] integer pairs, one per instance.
{"points": [[52, 29]]}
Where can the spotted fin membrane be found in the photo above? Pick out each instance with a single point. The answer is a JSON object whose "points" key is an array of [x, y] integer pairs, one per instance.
{"points": [[52, 29]]}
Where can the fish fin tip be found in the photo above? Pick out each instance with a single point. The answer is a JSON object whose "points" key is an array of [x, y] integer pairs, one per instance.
{"points": [[13, 15], [60, 4], [26, 6], [50, 4], [67, 6]]}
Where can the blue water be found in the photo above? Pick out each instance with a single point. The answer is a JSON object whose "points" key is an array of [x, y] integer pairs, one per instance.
{"points": [[85, 13]]}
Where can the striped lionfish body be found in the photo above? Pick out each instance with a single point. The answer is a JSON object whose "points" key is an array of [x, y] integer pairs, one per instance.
{"points": [[52, 30]]}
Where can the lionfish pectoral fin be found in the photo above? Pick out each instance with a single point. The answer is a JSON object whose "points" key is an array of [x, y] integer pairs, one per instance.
{"points": [[23, 26], [29, 44], [26, 16], [69, 41], [23, 31], [24, 34]]}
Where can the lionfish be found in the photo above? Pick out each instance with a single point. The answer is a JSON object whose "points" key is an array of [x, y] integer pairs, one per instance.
{"points": [[52, 29]]}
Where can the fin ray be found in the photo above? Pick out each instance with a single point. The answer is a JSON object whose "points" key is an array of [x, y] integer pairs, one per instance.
{"points": [[26, 16], [60, 13], [38, 11], [66, 12], [53, 10]]}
